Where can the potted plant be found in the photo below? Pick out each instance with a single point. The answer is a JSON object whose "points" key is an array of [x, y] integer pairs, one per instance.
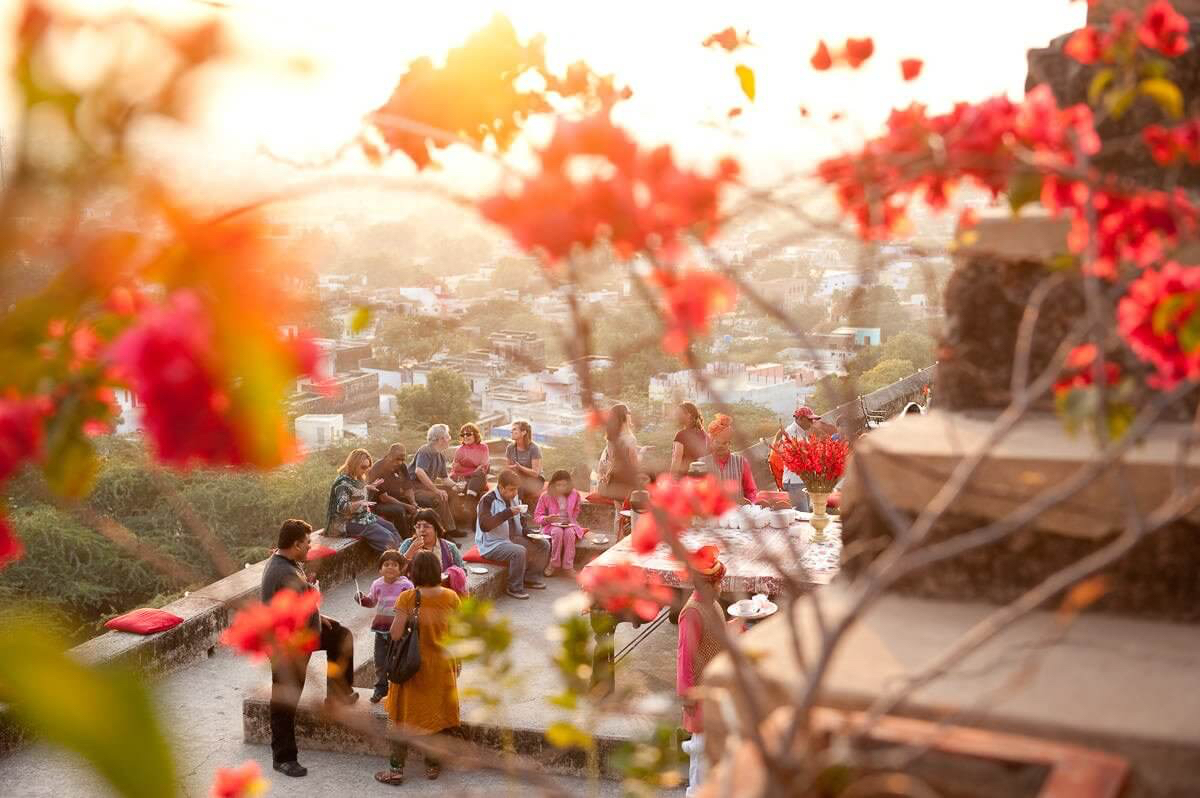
{"points": [[820, 463]]}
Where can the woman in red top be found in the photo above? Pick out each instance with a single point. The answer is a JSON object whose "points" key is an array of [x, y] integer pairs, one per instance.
{"points": [[471, 461]]}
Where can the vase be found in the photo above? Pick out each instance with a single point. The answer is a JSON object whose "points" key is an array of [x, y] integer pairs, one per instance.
{"points": [[819, 519]]}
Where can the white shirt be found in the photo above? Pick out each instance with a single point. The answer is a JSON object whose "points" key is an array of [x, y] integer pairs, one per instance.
{"points": [[793, 430]]}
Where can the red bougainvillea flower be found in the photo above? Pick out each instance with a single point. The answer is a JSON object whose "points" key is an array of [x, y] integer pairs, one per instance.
{"points": [[644, 202], [168, 359], [625, 588], [857, 51], [20, 432], [821, 59], [1164, 29], [689, 301], [11, 549], [1181, 142], [1158, 319], [1086, 45], [910, 68], [727, 40], [680, 500], [279, 628], [1080, 372], [244, 781]]}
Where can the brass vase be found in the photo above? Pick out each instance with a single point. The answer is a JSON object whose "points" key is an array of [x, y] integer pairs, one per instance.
{"points": [[819, 519]]}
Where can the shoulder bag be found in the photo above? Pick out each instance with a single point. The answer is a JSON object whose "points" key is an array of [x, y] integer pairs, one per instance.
{"points": [[404, 655]]}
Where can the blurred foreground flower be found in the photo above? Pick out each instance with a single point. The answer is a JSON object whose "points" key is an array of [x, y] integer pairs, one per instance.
{"points": [[679, 500], [244, 781], [623, 587], [282, 627]]}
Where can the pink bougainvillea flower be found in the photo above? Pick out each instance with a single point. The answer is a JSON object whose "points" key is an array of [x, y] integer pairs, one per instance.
{"points": [[1157, 317], [20, 432], [679, 500], [1164, 29], [1167, 145], [821, 59], [11, 549], [279, 628], [625, 588], [244, 781], [910, 68]]}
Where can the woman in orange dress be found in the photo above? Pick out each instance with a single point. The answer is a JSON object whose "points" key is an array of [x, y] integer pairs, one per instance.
{"points": [[428, 702]]}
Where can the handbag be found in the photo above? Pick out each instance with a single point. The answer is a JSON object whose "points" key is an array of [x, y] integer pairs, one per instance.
{"points": [[404, 655]]}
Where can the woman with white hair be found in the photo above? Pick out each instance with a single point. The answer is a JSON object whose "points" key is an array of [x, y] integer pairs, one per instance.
{"points": [[429, 465]]}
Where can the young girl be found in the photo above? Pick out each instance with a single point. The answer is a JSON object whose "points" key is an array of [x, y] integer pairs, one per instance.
{"points": [[557, 513]]}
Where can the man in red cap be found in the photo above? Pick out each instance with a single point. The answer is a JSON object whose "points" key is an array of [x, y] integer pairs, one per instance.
{"points": [[699, 643], [805, 424]]}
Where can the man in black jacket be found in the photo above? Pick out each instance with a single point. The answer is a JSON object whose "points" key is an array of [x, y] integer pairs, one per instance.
{"points": [[285, 571]]}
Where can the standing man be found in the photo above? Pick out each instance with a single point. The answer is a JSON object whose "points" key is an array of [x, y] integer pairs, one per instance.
{"points": [[285, 570], [396, 501], [429, 465], [805, 424], [499, 536]]}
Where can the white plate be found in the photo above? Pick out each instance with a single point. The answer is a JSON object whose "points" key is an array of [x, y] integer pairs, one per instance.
{"points": [[478, 569], [537, 535], [600, 539], [745, 609]]}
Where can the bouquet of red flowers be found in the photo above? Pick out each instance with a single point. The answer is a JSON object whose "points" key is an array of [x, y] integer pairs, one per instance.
{"points": [[819, 461]]}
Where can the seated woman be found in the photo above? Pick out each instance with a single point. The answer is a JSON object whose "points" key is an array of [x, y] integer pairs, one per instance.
{"points": [[731, 468], [350, 509], [557, 513], [471, 461], [428, 536], [428, 702]]}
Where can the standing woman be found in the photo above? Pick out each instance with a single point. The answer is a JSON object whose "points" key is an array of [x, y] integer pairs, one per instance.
{"points": [[619, 468], [691, 442], [350, 508], [428, 702], [525, 458]]}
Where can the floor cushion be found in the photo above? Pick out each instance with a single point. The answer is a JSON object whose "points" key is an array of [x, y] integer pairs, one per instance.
{"points": [[144, 621], [320, 552], [472, 555]]}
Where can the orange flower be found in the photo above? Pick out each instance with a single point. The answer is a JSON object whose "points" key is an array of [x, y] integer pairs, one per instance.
{"points": [[283, 627], [821, 59], [244, 781], [858, 51], [728, 40], [910, 68], [689, 301]]}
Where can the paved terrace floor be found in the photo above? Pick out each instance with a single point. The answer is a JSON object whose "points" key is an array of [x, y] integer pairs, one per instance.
{"points": [[201, 705]]}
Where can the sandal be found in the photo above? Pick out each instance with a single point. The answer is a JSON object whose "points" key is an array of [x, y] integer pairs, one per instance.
{"points": [[432, 771], [394, 777], [549, 570]]}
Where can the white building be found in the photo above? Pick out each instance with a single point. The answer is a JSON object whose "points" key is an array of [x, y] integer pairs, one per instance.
{"points": [[130, 421], [862, 336], [319, 430], [838, 280], [768, 385]]}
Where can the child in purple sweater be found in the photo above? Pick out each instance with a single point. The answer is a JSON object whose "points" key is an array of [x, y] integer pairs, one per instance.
{"points": [[383, 594]]}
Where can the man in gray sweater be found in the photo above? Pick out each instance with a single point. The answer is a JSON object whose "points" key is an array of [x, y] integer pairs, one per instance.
{"points": [[285, 571]]}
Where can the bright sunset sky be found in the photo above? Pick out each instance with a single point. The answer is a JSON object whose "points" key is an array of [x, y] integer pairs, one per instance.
{"points": [[971, 48]]}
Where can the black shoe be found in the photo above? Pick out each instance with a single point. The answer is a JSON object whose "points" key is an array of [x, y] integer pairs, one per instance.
{"points": [[333, 703], [535, 585], [293, 769], [377, 696]]}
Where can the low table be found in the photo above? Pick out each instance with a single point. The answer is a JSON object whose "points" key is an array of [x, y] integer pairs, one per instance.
{"points": [[755, 562]]}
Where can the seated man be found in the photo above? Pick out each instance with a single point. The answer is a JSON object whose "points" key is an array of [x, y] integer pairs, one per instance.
{"points": [[395, 500], [428, 469], [731, 468], [499, 536]]}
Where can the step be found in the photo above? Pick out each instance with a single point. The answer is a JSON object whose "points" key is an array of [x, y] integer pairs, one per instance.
{"points": [[316, 730]]}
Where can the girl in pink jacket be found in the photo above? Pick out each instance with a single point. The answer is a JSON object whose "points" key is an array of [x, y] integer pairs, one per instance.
{"points": [[557, 513]]}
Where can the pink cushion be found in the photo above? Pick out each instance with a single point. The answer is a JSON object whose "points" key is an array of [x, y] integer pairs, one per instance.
{"points": [[144, 621]]}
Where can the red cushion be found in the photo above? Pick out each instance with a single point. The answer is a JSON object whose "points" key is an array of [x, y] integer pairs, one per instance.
{"points": [[319, 552], [145, 621], [596, 498], [472, 555]]}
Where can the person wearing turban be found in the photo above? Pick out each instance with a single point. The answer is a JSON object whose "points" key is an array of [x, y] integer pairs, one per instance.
{"points": [[729, 466]]}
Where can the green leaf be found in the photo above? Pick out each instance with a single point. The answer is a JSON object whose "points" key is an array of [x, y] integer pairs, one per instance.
{"points": [[71, 464], [1166, 315], [1024, 188], [1155, 68], [1063, 262], [746, 78], [1165, 93], [1118, 102], [1189, 333], [1118, 419], [1100, 82], [566, 700], [360, 319], [568, 735], [104, 714]]}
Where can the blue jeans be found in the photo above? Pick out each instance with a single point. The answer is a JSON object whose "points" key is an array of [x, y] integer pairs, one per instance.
{"points": [[381, 534], [799, 496], [521, 555], [381, 649]]}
